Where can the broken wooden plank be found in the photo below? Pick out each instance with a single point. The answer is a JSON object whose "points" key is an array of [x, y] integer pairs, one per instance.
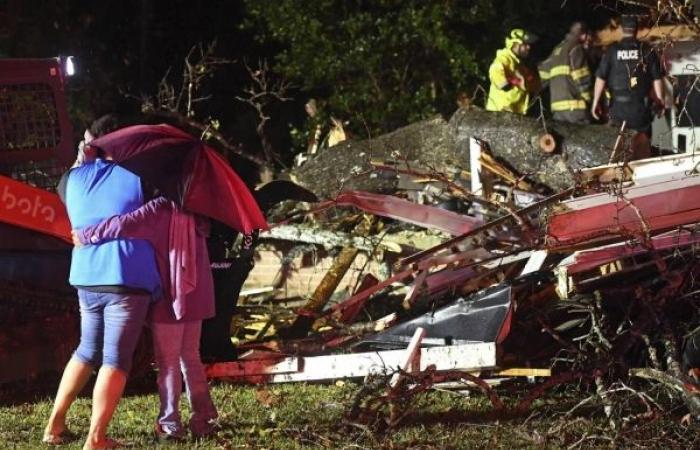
{"points": [[665, 33], [412, 361], [607, 173], [534, 262], [474, 356], [489, 163], [415, 289], [290, 364], [663, 168], [330, 281], [327, 239], [475, 149], [524, 372], [342, 263]]}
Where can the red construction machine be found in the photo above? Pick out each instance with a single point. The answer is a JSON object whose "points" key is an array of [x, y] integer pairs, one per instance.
{"points": [[38, 320]]}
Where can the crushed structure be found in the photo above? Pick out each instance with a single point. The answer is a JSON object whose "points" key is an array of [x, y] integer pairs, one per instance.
{"points": [[529, 257]]}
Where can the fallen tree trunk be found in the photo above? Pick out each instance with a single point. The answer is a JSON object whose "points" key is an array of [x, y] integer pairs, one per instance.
{"points": [[515, 140], [435, 145], [346, 166]]}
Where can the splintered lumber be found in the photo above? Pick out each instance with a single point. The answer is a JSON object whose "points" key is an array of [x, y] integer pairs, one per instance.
{"points": [[666, 33], [476, 356], [515, 140], [331, 280], [493, 166], [327, 238], [411, 363], [323, 292], [452, 242], [524, 372]]}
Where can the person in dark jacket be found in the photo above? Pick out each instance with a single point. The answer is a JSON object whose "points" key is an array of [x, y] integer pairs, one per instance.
{"points": [[632, 72], [568, 77], [229, 272]]}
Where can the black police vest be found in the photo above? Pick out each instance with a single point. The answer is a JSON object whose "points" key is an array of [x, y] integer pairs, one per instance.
{"points": [[629, 75]]}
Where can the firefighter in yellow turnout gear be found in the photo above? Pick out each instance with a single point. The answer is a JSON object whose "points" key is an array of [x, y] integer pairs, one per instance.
{"points": [[511, 81], [568, 76]]}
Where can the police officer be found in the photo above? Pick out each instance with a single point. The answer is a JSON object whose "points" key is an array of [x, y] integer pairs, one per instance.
{"points": [[630, 70]]}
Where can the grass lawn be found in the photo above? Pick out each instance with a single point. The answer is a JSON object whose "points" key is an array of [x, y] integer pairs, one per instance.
{"points": [[312, 416]]}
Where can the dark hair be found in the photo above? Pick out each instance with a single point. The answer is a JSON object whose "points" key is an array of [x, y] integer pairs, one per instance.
{"points": [[629, 23], [578, 28], [104, 125]]}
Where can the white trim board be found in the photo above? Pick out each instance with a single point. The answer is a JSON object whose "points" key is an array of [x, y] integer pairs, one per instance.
{"points": [[481, 355]]}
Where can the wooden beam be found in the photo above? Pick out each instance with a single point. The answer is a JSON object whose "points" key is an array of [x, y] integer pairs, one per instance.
{"points": [[524, 372], [476, 356], [412, 361], [608, 36]]}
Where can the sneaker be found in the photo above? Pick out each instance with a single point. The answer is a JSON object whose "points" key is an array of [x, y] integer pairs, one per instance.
{"points": [[163, 435]]}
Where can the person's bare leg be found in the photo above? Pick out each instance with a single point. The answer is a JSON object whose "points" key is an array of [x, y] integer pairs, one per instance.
{"points": [[75, 376], [105, 398]]}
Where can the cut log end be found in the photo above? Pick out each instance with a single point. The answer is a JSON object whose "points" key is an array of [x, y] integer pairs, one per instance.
{"points": [[547, 143]]}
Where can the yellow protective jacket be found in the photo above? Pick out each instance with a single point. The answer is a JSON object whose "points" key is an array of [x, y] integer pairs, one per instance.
{"points": [[568, 76], [503, 96]]}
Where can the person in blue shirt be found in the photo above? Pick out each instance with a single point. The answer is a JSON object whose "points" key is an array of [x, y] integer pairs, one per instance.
{"points": [[116, 282]]}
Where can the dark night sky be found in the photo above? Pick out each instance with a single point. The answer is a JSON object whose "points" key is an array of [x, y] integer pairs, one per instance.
{"points": [[126, 46], [138, 40]]}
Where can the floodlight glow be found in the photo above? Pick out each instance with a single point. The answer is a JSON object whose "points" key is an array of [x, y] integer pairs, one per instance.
{"points": [[70, 66]]}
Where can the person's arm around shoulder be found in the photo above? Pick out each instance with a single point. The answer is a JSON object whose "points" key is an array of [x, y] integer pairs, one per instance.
{"points": [[146, 222]]}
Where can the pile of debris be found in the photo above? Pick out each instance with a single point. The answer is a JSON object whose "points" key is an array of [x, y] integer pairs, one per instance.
{"points": [[486, 274]]}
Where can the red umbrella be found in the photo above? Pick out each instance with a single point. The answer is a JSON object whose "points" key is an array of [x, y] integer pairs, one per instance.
{"points": [[186, 171]]}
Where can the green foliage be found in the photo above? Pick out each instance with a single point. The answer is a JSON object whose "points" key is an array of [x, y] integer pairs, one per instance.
{"points": [[382, 63]]}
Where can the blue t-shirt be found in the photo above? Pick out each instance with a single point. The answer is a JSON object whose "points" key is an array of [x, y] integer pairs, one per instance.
{"points": [[97, 191]]}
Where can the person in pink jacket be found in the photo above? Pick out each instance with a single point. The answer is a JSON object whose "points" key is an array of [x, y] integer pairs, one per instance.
{"points": [[179, 241]]}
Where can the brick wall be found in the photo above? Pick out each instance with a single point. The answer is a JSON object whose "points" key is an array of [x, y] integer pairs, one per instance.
{"points": [[304, 273]]}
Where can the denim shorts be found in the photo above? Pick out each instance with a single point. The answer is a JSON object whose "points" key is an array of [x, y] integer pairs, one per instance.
{"points": [[110, 326]]}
